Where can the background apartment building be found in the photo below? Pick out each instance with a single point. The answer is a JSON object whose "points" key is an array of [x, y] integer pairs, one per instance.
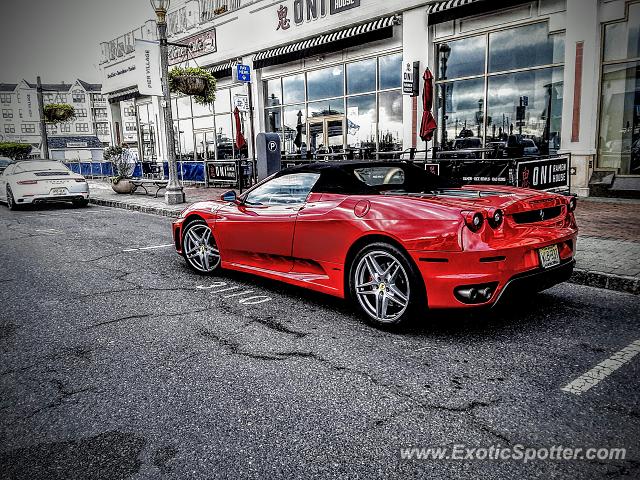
{"points": [[82, 138]]}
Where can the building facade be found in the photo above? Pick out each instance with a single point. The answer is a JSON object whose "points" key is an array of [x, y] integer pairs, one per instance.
{"points": [[327, 76], [83, 138]]}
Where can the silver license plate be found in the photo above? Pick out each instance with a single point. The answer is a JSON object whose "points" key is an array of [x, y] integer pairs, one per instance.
{"points": [[549, 256]]}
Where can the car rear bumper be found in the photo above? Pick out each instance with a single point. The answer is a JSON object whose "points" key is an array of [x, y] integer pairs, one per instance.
{"points": [[503, 272], [35, 199]]}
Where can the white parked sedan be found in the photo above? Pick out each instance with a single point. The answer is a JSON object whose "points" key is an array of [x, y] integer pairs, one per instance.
{"points": [[36, 181]]}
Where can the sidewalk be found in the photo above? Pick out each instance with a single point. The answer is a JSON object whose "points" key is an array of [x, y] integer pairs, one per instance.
{"points": [[608, 254]]}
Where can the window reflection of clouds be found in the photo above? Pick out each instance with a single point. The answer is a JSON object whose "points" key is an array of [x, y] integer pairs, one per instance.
{"points": [[463, 101], [326, 107], [293, 88], [361, 121], [466, 57], [291, 126], [622, 40], [390, 104], [390, 71], [273, 93], [325, 83], [524, 47], [361, 76]]}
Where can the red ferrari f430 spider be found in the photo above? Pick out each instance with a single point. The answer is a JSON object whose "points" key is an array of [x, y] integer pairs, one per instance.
{"points": [[392, 237]]}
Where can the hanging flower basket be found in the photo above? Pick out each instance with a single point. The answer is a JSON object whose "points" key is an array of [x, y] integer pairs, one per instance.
{"points": [[195, 82], [59, 112]]}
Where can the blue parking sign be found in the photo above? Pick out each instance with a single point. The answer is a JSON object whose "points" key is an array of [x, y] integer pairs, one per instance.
{"points": [[244, 73]]}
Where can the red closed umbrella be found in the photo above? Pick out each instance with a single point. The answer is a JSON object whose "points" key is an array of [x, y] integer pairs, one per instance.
{"points": [[240, 140], [429, 124]]}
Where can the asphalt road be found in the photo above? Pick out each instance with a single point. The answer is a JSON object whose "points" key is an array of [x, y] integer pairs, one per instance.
{"points": [[124, 364]]}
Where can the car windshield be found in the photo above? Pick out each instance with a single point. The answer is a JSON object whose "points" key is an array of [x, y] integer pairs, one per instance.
{"points": [[41, 166], [400, 178]]}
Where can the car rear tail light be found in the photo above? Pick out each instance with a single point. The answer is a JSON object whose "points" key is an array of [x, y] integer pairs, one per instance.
{"points": [[474, 220], [573, 203], [80, 180], [27, 182], [495, 218]]}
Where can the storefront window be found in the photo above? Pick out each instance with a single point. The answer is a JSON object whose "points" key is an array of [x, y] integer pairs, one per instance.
{"points": [[390, 71], [523, 109], [273, 93], [184, 107], [224, 137], [619, 139], [293, 88], [325, 83], [390, 115], [295, 132], [342, 108], [326, 108], [464, 111], [361, 76], [527, 103], [361, 122], [524, 47], [622, 39], [462, 58]]}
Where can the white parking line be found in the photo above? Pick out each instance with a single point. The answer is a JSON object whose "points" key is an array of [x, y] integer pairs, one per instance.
{"points": [[147, 248], [602, 370]]}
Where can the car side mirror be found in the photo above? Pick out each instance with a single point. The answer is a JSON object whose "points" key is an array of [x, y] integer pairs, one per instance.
{"points": [[230, 197]]}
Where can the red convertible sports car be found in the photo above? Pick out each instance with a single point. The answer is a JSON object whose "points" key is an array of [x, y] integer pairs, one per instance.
{"points": [[389, 235]]}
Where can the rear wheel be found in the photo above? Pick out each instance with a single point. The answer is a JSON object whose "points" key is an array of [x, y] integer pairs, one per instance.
{"points": [[81, 203], [11, 203], [385, 285], [199, 248]]}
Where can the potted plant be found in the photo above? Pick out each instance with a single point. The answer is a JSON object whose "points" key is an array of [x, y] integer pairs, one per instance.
{"points": [[195, 82], [59, 112], [121, 159]]}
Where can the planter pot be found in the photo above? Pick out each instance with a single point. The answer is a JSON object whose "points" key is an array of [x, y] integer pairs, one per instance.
{"points": [[191, 85], [123, 186]]}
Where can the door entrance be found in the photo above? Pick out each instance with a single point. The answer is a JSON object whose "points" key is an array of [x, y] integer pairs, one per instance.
{"points": [[325, 134]]}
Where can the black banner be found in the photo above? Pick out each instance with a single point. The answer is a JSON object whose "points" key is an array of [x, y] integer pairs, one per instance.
{"points": [[222, 172], [338, 6], [544, 174]]}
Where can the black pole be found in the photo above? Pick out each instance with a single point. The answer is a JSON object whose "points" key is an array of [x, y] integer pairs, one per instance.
{"points": [[253, 136], [43, 124]]}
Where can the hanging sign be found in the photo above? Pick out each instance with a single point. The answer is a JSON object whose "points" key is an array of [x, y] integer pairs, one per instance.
{"points": [[147, 68]]}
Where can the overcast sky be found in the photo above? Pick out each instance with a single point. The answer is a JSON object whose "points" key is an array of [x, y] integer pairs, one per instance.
{"points": [[60, 39]]}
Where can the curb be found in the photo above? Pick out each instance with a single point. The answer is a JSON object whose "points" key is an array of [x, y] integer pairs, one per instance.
{"points": [[607, 281], [163, 212]]}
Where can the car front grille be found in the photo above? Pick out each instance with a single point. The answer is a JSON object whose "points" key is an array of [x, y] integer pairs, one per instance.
{"points": [[533, 216]]}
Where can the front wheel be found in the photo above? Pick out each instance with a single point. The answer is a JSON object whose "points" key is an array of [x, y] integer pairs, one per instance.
{"points": [[385, 285], [199, 248]]}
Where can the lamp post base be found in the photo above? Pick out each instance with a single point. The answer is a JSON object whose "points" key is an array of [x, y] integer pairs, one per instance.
{"points": [[174, 196]]}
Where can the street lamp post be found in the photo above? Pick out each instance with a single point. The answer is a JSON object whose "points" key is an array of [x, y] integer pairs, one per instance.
{"points": [[174, 193]]}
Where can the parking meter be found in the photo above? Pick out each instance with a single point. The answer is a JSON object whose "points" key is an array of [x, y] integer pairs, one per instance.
{"points": [[268, 154]]}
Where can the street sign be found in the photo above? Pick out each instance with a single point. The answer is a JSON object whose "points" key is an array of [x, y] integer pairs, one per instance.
{"points": [[524, 100], [410, 79], [244, 73], [242, 102]]}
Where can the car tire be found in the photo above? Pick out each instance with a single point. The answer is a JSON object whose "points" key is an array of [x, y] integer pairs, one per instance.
{"points": [[81, 203], [386, 286], [11, 203], [199, 248]]}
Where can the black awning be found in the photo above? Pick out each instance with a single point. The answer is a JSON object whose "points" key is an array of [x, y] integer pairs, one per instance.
{"points": [[379, 29], [122, 95], [222, 69], [454, 9]]}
